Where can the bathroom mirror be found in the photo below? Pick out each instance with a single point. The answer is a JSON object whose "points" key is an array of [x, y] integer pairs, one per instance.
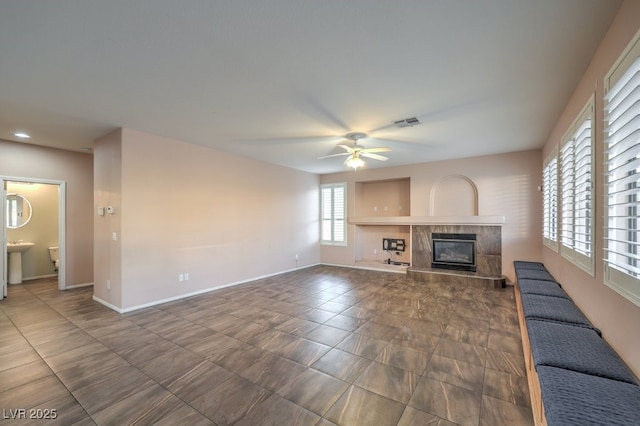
{"points": [[18, 211]]}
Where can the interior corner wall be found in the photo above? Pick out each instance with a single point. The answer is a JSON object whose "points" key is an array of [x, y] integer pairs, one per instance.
{"points": [[76, 169], [107, 154], [507, 185], [617, 317], [216, 218]]}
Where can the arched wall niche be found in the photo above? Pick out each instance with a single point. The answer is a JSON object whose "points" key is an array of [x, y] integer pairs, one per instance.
{"points": [[454, 195]]}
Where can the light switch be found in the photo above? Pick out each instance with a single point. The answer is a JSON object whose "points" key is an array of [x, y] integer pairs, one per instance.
{"points": [[100, 211], [114, 236]]}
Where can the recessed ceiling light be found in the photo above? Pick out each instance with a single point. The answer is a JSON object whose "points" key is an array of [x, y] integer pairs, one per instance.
{"points": [[21, 135]]}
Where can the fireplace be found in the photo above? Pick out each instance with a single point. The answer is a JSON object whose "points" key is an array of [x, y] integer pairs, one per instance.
{"points": [[454, 251]]}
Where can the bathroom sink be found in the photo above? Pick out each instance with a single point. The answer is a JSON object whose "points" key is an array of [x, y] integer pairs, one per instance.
{"points": [[18, 247], [15, 251]]}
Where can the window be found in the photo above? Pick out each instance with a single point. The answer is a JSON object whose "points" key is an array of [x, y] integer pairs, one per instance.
{"points": [[550, 200], [576, 174], [333, 213], [622, 174]]}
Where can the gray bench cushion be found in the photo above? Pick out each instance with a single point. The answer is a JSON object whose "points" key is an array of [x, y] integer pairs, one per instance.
{"points": [[575, 348], [542, 288], [534, 274], [571, 398], [521, 264], [553, 309]]}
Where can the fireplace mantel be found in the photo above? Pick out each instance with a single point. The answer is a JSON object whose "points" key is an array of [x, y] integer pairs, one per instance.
{"points": [[428, 220]]}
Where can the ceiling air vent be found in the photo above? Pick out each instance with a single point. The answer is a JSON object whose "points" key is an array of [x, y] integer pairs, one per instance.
{"points": [[406, 122]]}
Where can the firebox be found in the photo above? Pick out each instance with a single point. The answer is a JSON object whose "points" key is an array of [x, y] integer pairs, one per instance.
{"points": [[454, 251]]}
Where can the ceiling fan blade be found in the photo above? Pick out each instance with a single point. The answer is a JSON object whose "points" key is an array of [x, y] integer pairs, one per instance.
{"points": [[380, 149], [374, 156], [347, 148], [334, 155]]}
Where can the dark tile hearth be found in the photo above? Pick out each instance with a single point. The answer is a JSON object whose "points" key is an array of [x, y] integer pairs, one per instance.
{"points": [[319, 346]]}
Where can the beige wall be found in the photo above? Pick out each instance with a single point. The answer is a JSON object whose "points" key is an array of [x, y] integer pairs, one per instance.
{"points": [[42, 229], [21, 160], [507, 186], [107, 171], [182, 208], [614, 315]]}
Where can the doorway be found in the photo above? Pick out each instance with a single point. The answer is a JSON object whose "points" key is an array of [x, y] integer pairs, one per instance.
{"points": [[42, 219]]}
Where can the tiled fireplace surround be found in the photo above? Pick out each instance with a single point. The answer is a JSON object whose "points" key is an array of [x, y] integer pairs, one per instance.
{"points": [[488, 255]]}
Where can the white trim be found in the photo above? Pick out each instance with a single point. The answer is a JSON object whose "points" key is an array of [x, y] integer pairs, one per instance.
{"points": [[233, 284], [368, 268], [195, 293], [39, 277], [62, 235], [549, 242], [3, 240], [79, 285], [62, 215], [427, 220], [107, 304], [622, 282], [570, 251], [333, 187]]}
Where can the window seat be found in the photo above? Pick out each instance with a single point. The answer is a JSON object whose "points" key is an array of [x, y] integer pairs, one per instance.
{"points": [[574, 377]]}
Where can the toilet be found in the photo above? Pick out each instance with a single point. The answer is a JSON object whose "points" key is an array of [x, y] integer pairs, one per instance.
{"points": [[54, 254]]}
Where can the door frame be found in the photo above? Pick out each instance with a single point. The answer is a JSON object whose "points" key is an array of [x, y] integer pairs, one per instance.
{"points": [[62, 231]]}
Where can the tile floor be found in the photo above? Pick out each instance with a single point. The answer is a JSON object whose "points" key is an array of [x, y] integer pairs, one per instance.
{"points": [[319, 346]]}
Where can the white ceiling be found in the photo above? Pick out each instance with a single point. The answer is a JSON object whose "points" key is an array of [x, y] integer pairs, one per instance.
{"points": [[283, 80]]}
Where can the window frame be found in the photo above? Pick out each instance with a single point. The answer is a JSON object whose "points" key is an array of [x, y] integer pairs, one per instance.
{"points": [[615, 276], [576, 190], [550, 212], [337, 225]]}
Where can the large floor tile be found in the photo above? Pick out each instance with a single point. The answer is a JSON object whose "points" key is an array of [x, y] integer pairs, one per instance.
{"points": [[314, 391], [342, 365], [454, 403], [319, 346], [360, 407]]}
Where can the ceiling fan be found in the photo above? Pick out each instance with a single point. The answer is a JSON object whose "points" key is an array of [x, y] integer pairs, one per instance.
{"points": [[356, 151]]}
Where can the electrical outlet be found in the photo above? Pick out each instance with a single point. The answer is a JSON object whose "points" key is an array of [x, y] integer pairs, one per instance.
{"points": [[181, 277], [297, 257], [375, 251], [186, 276]]}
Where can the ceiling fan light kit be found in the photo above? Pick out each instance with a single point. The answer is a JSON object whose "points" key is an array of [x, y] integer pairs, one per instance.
{"points": [[354, 162], [355, 152]]}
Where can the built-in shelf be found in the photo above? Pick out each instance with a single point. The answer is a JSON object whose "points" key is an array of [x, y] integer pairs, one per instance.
{"points": [[428, 220]]}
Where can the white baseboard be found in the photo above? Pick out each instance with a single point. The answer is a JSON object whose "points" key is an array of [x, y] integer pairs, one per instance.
{"points": [[368, 268], [38, 277], [195, 293], [107, 304], [78, 285]]}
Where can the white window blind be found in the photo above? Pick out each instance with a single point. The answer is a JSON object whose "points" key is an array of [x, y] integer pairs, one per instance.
{"points": [[568, 187], [583, 175], [576, 174], [550, 200], [333, 213], [622, 174]]}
